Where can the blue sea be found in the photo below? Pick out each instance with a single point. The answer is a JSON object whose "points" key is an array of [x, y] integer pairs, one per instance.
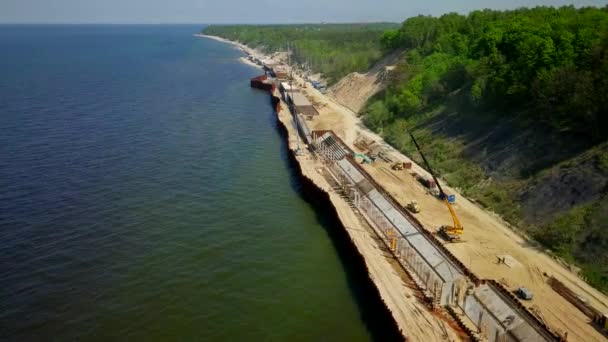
{"points": [[146, 194]]}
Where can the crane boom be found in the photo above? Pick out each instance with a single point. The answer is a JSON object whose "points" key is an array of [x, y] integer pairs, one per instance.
{"points": [[452, 232], [453, 213]]}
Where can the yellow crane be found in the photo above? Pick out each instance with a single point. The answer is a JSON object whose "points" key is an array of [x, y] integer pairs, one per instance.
{"points": [[450, 233]]}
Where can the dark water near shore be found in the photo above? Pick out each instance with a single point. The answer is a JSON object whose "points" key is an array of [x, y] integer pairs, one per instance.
{"points": [[145, 194]]}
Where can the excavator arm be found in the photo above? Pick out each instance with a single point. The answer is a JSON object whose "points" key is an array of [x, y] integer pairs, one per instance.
{"points": [[456, 228]]}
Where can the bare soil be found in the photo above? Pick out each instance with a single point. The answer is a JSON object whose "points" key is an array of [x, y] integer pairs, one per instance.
{"points": [[355, 89]]}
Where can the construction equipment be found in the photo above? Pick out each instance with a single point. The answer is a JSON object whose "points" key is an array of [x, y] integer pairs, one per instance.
{"points": [[364, 159], [413, 207], [524, 293], [398, 166], [449, 233]]}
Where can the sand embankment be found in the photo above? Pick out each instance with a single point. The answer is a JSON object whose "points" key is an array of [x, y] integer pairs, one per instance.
{"points": [[354, 89]]}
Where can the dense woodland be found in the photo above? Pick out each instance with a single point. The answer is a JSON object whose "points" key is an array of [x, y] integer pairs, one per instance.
{"points": [[511, 107], [542, 70], [332, 49], [552, 62]]}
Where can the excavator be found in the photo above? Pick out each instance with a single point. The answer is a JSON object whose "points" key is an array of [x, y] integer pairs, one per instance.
{"points": [[449, 233]]}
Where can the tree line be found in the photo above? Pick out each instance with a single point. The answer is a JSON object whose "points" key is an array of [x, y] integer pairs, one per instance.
{"points": [[544, 68], [550, 62], [331, 49]]}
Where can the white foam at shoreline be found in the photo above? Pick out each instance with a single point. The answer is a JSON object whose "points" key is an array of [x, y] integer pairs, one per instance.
{"points": [[242, 47]]}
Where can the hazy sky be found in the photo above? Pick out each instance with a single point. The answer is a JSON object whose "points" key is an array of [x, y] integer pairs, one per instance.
{"points": [[246, 11]]}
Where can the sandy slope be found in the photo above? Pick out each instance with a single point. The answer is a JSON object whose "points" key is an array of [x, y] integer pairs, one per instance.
{"points": [[354, 89]]}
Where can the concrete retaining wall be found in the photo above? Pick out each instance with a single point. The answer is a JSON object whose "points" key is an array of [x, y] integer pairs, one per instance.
{"points": [[498, 320], [498, 317]]}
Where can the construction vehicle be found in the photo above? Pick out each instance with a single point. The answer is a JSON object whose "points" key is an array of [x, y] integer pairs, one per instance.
{"points": [[364, 159], [449, 233], [398, 166], [413, 207], [524, 293]]}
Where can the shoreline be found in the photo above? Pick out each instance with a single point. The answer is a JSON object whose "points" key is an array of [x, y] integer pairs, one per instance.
{"points": [[317, 190], [244, 48], [407, 317], [321, 201], [317, 194]]}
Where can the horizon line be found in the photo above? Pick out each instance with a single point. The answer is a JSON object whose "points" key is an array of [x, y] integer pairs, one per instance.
{"points": [[215, 23]]}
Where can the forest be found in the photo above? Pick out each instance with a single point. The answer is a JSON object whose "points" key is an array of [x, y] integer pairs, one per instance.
{"points": [[512, 107], [550, 62], [331, 49]]}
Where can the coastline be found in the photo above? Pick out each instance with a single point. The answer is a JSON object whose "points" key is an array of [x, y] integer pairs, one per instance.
{"points": [[410, 319], [315, 189], [407, 317], [314, 193], [407, 320], [247, 50], [400, 322]]}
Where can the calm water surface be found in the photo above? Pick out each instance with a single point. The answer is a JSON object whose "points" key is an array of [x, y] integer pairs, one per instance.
{"points": [[145, 194]]}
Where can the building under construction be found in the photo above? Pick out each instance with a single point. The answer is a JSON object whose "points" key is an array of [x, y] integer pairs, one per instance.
{"points": [[301, 104]]}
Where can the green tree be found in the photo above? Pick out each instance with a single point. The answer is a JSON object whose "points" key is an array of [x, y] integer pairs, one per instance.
{"points": [[378, 116]]}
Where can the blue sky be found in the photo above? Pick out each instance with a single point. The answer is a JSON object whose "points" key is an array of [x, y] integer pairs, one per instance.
{"points": [[246, 11]]}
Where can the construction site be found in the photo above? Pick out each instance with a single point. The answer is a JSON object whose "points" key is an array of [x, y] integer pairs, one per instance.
{"points": [[445, 268]]}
